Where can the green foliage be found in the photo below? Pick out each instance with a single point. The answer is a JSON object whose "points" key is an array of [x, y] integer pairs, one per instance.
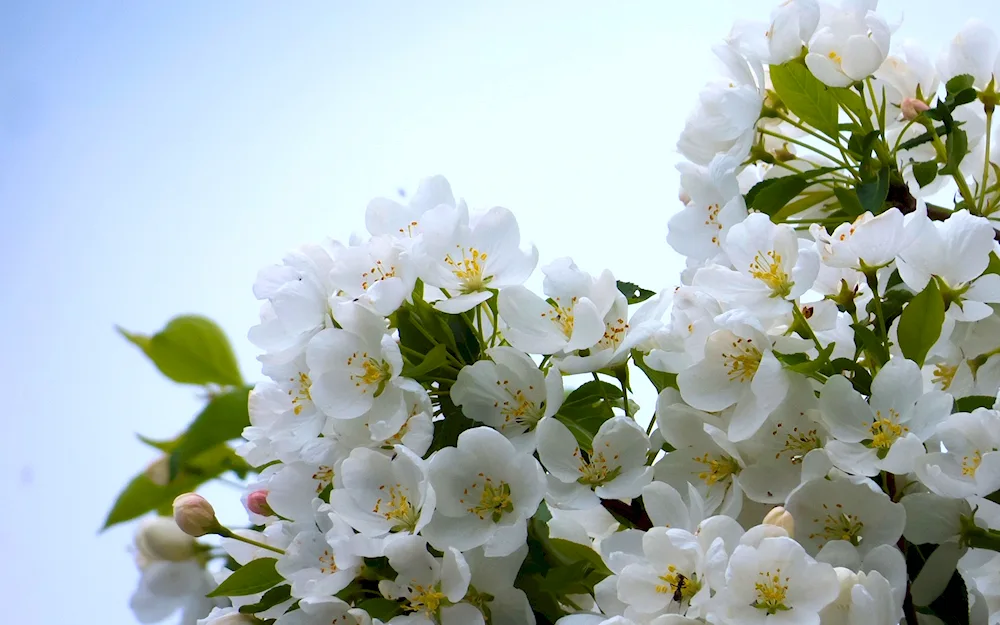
{"points": [[587, 408], [805, 96], [971, 402], [952, 605], [925, 172], [872, 193], [143, 495], [223, 419], [270, 599], [190, 350], [432, 361], [634, 293], [920, 323], [380, 608], [254, 577]]}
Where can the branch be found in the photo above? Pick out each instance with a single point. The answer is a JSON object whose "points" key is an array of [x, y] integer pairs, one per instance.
{"points": [[634, 513]]}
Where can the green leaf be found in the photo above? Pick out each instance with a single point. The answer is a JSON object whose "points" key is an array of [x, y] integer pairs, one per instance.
{"points": [[634, 293], [659, 379], [871, 343], [994, 266], [925, 172], [432, 360], [801, 363], [920, 323], [957, 146], [190, 350], [466, 342], [382, 609], [142, 495], [971, 402], [164, 446], [857, 374], [569, 552], [271, 598], [959, 83], [223, 419], [849, 201], [806, 96], [253, 577], [853, 102], [775, 193], [587, 408], [448, 429], [872, 194], [923, 138]]}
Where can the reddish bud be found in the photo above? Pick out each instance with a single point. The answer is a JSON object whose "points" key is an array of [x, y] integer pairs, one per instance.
{"points": [[257, 503], [912, 108]]}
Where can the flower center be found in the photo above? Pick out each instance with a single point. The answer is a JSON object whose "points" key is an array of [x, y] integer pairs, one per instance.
{"points": [[742, 361], [798, 443], [944, 375], [970, 463], [886, 430], [408, 230], [836, 58], [397, 509], [469, 268], [767, 268], [373, 373], [597, 471], [426, 599], [679, 585], [518, 410], [561, 316], [771, 591], [713, 221], [839, 525], [323, 477], [494, 501], [614, 334], [327, 564], [300, 392], [377, 273], [717, 469]]}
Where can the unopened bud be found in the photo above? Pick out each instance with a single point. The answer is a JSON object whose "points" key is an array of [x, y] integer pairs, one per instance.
{"points": [[194, 515], [912, 108], [257, 503], [782, 518], [158, 471], [159, 538]]}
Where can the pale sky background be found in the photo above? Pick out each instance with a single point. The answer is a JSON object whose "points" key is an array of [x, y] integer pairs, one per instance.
{"points": [[154, 155]]}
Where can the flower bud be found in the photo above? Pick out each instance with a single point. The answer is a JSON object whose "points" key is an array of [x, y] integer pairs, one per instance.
{"points": [[782, 518], [194, 515], [257, 503], [159, 538], [913, 107]]}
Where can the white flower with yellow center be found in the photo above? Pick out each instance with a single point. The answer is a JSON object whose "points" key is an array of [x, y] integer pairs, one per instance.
{"points": [[853, 510], [508, 392], [293, 485], [469, 259], [971, 464], [430, 589], [703, 457], [355, 366], [739, 368], [850, 45], [376, 273], [329, 611], [864, 599], [387, 217], [887, 432], [772, 268], [774, 583], [570, 318], [614, 467], [871, 241], [715, 206], [377, 495], [486, 490]]}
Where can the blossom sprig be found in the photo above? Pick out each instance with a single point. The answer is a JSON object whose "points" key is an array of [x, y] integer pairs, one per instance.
{"points": [[436, 443]]}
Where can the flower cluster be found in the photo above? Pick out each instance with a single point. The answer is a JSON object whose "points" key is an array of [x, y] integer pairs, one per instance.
{"points": [[435, 443]]}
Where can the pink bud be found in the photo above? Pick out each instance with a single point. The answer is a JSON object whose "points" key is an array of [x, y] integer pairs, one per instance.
{"points": [[913, 107], [257, 503], [194, 515]]}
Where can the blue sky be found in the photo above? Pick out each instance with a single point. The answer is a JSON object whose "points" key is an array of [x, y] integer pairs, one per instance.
{"points": [[154, 155]]}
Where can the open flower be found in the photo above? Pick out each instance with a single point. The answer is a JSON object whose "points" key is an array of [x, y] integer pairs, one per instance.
{"points": [[430, 588], [467, 258], [887, 433], [971, 464], [615, 466], [848, 46], [486, 490]]}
